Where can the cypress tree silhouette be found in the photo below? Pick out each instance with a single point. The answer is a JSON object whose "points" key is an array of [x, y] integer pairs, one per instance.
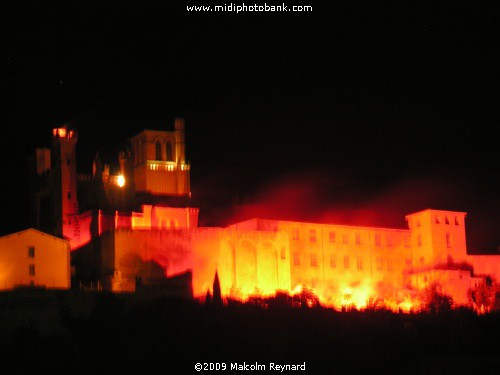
{"points": [[208, 298], [217, 298]]}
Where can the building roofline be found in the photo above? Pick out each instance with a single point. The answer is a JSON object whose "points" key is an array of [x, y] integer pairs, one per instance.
{"points": [[36, 231], [316, 223], [435, 210]]}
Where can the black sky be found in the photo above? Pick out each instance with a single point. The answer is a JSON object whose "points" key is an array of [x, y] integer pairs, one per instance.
{"points": [[379, 100]]}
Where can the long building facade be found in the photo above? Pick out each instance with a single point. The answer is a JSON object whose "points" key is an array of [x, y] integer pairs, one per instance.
{"points": [[137, 227]]}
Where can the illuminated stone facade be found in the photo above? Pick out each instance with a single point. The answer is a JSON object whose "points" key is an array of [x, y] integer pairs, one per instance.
{"points": [[34, 258], [159, 162], [131, 235]]}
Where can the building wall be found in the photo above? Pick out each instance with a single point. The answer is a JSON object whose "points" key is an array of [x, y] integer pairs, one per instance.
{"points": [[333, 259], [438, 237], [486, 265], [50, 260]]}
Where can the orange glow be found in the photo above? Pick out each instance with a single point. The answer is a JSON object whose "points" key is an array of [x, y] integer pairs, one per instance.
{"points": [[120, 181]]}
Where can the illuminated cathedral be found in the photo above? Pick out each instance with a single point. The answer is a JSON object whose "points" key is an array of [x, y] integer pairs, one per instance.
{"points": [[136, 227]]}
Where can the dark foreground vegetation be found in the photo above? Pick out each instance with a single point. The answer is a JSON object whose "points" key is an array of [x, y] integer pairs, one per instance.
{"points": [[82, 333]]}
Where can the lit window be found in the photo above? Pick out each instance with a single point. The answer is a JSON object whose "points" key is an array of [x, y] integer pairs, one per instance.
{"points": [[456, 221], [32, 269], [31, 251], [437, 220], [312, 235], [408, 262], [421, 260], [314, 260], [417, 222], [283, 253], [332, 237], [378, 240], [158, 151], [419, 239], [295, 234], [296, 259], [358, 239], [359, 263], [345, 238], [333, 261], [380, 263], [448, 240], [346, 261], [446, 220]]}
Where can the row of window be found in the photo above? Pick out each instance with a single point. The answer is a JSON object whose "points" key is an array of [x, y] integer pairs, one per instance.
{"points": [[346, 262], [332, 237], [378, 238], [139, 158], [159, 153], [439, 220]]}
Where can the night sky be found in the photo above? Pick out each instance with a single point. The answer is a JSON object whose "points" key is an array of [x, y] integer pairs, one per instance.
{"points": [[356, 112]]}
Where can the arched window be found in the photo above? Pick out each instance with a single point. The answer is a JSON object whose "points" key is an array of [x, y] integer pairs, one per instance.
{"points": [[170, 156], [158, 150]]}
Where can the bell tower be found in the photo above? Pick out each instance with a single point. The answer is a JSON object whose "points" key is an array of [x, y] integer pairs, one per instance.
{"points": [[64, 179], [159, 162]]}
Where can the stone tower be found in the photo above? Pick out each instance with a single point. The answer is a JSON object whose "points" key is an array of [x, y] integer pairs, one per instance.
{"points": [[64, 183], [159, 162]]}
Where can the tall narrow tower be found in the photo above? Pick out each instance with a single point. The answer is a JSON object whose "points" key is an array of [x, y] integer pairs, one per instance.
{"points": [[63, 163]]}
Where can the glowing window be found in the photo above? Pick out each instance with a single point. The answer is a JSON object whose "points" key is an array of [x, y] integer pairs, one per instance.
{"points": [[296, 259], [448, 240], [314, 260], [32, 269], [158, 151], [345, 238], [312, 235], [358, 239], [295, 234], [346, 261], [389, 265], [31, 251], [170, 156], [333, 261], [456, 221], [417, 222], [419, 239], [378, 240], [332, 237], [283, 253], [446, 220], [421, 260], [437, 220]]}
